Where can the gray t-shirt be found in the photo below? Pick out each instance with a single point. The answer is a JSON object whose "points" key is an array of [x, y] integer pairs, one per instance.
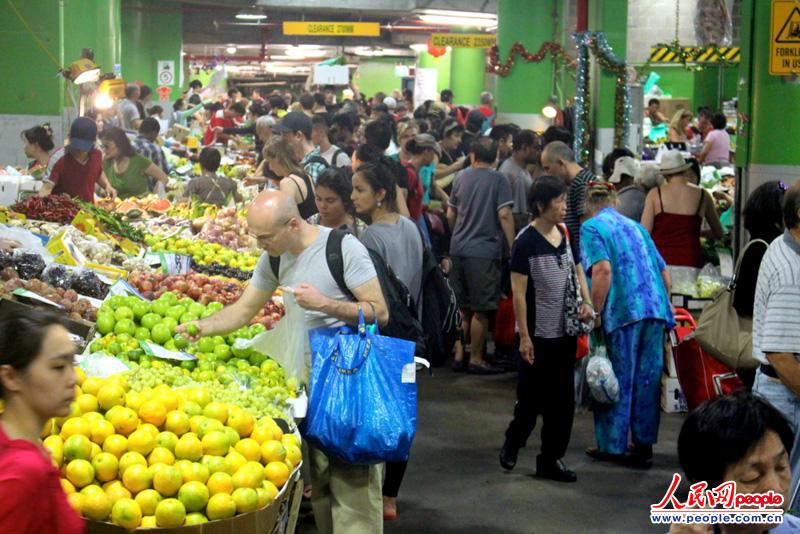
{"points": [[478, 194], [342, 159], [520, 181], [631, 202], [400, 245], [128, 112], [311, 267]]}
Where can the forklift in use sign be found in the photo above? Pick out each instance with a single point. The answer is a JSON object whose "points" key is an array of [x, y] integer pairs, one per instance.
{"points": [[784, 56]]}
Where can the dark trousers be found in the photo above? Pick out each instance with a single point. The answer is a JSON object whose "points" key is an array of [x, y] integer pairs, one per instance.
{"points": [[546, 388], [395, 471]]}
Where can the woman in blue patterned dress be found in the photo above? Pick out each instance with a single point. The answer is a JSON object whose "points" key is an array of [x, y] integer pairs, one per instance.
{"points": [[630, 294]]}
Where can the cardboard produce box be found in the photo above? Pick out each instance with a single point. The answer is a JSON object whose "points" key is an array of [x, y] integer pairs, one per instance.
{"points": [[82, 331], [268, 520]]}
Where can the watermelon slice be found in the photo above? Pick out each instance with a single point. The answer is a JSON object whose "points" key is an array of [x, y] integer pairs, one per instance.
{"points": [[160, 207], [126, 206]]}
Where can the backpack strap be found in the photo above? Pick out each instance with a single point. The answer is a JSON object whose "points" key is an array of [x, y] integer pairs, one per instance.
{"points": [[317, 159], [335, 259], [335, 157]]}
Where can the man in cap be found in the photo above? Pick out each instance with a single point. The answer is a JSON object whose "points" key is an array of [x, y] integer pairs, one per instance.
{"points": [[74, 169], [296, 126], [630, 197]]}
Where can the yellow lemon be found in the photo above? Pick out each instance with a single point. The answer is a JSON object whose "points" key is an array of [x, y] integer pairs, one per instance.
{"points": [[126, 513], [194, 496], [141, 441], [167, 398], [80, 376], [67, 486], [116, 445], [189, 447], [249, 448], [134, 400], [195, 471], [241, 421], [277, 473], [76, 502], [153, 412], [195, 518], [170, 513], [220, 506], [246, 477], [293, 454], [272, 451], [246, 500], [124, 420], [55, 446], [87, 403], [168, 480], [237, 461], [195, 421], [160, 455], [96, 506], [106, 466], [263, 497], [262, 433], [117, 491], [290, 439], [100, 430], [148, 500], [220, 483], [73, 426], [216, 410], [167, 440], [271, 489], [92, 385], [149, 521], [80, 473], [129, 459], [111, 395], [177, 422], [215, 443], [137, 478], [150, 428]]}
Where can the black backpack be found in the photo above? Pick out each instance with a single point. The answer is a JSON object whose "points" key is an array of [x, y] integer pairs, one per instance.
{"points": [[440, 315], [403, 322]]}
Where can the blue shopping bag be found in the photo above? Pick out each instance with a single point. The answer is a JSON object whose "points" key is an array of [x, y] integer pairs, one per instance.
{"points": [[362, 404]]}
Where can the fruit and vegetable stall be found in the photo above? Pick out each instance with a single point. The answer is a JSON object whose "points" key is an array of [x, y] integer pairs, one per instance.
{"points": [[164, 432]]}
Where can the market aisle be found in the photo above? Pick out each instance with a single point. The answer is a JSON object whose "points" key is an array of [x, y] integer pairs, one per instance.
{"points": [[455, 485]]}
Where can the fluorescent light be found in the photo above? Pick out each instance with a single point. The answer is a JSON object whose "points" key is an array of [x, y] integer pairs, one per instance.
{"points": [[103, 101], [419, 47], [368, 51], [447, 17], [308, 47], [231, 49], [549, 112], [301, 53], [251, 14]]}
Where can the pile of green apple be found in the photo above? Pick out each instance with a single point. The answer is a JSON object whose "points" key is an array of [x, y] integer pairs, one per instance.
{"points": [[124, 321]]}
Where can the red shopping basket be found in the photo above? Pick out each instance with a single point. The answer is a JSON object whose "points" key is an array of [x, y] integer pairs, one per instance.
{"points": [[701, 376]]}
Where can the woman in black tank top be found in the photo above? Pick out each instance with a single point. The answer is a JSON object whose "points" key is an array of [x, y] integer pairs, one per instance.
{"points": [[283, 161]]}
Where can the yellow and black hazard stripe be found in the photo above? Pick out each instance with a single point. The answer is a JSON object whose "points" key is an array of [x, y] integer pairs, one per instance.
{"points": [[665, 54]]}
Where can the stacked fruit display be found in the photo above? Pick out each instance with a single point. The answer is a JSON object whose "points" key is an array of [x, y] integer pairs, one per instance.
{"points": [[229, 229], [166, 457], [203, 289], [204, 253]]}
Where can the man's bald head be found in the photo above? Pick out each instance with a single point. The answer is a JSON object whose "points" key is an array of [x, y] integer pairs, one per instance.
{"points": [[559, 160], [558, 150], [271, 207]]}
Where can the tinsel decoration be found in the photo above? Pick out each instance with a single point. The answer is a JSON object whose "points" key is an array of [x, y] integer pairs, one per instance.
{"points": [[598, 44], [687, 55], [557, 52], [622, 97], [582, 103]]}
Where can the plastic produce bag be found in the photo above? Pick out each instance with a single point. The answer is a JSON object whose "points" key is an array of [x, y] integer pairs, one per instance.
{"points": [[363, 399], [709, 282], [29, 241], [600, 376], [86, 282], [286, 342], [57, 276], [28, 264], [712, 23]]}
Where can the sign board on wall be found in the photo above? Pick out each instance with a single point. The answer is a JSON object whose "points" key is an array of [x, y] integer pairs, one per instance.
{"points": [[425, 81], [463, 40], [166, 73], [784, 42], [331, 75], [349, 29]]}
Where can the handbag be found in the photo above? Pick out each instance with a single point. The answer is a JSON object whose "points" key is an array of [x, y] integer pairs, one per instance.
{"points": [[362, 404], [573, 326], [720, 330]]}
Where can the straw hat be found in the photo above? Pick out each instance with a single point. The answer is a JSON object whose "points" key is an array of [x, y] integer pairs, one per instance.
{"points": [[672, 162]]}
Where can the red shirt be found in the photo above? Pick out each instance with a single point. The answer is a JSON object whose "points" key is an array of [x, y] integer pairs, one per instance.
{"points": [[415, 192], [31, 497], [217, 120], [74, 178]]}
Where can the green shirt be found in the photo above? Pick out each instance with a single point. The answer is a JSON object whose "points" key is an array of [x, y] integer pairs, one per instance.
{"points": [[132, 182]]}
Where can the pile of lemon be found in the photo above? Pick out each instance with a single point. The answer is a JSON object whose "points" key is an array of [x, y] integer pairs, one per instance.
{"points": [[164, 457]]}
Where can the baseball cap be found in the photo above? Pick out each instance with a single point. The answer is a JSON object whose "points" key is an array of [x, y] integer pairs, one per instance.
{"points": [[390, 102], [624, 165], [294, 121], [82, 134]]}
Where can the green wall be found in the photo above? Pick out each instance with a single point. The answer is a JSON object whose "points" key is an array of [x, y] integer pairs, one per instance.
{"points": [[442, 64], [151, 31], [608, 16], [701, 87], [96, 25], [468, 75], [377, 74], [35, 89]]}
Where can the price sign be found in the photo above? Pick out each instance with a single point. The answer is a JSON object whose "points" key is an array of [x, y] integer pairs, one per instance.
{"points": [[166, 73], [170, 263], [151, 349]]}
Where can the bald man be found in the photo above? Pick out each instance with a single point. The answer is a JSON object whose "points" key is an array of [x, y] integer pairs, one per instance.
{"points": [[559, 160], [346, 498]]}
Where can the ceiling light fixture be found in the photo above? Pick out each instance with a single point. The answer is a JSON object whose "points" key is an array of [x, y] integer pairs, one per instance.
{"points": [[369, 51], [231, 49], [419, 47], [447, 17], [251, 14]]}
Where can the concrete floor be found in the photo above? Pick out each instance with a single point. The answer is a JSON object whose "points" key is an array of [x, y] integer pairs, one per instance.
{"points": [[454, 483]]}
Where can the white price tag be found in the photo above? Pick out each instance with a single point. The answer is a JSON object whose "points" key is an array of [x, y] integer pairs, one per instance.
{"points": [[409, 373], [160, 352]]}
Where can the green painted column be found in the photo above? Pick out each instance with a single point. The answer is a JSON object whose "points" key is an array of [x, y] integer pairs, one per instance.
{"points": [[768, 146], [35, 89], [525, 91], [606, 16], [99, 24], [467, 75], [151, 32], [443, 64]]}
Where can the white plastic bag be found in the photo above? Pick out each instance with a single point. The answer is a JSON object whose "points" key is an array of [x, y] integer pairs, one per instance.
{"points": [[287, 342], [601, 378]]}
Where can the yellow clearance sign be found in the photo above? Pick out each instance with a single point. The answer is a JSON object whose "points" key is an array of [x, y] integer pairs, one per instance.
{"points": [[345, 29], [463, 40], [784, 53]]}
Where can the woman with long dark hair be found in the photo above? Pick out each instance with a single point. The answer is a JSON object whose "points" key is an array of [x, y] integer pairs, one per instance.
{"points": [[334, 206], [37, 142], [126, 170]]}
